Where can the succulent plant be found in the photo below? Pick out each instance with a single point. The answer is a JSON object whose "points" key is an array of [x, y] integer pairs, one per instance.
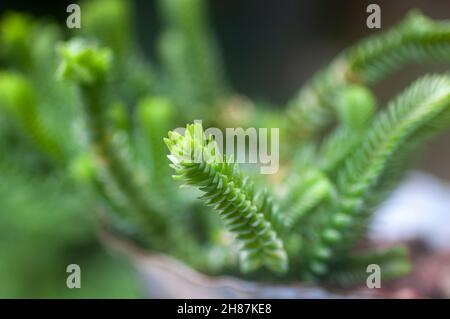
{"points": [[94, 136]]}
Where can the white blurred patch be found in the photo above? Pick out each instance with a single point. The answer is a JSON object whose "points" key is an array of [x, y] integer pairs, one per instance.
{"points": [[419, 208]]}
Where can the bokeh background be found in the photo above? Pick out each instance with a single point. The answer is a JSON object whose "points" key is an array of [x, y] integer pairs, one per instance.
{"points": [[270, 48]]}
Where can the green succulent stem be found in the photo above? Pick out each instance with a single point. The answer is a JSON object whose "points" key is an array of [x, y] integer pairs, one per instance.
{"points": [[362, 183], [19, 100], [416, 39], [347, 154], [199, 163]]}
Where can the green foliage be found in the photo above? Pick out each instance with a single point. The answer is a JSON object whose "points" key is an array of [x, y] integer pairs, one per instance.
{"points": [[393, 263], [190, 58], [110, 22], [416, 39], [15, 30], [199, 162], [307, 190], [355, 105], [361, 183], [155, 117], [20, 103], [89, 145], [88, 66], [45, 225], [83, 63]]}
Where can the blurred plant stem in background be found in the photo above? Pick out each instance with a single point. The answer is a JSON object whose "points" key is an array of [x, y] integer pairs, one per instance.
{"points": [[83, 114]]}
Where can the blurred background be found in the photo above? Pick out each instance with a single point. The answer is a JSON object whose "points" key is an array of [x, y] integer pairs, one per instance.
{"points": [[269, 48]]}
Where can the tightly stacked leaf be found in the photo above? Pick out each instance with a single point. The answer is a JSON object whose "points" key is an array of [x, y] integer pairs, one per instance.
{"points": [[84, 150]]}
